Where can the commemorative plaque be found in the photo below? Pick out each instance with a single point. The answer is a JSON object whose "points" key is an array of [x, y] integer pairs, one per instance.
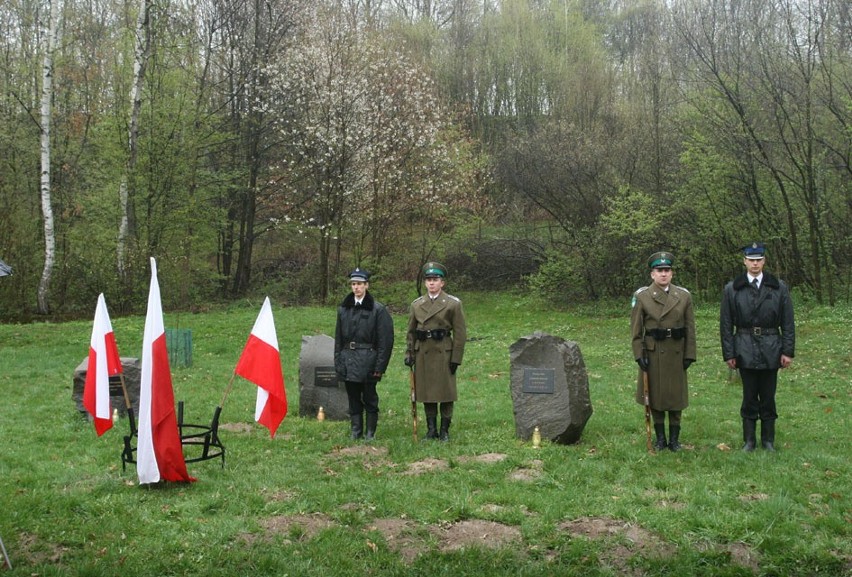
{"points": [[539, 381]]}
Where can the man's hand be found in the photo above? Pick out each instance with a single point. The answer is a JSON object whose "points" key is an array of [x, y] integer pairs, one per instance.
{"points": [[643, 363], [732, 363], [786, 361], [409, 361], [453, 368], [377, 375]]}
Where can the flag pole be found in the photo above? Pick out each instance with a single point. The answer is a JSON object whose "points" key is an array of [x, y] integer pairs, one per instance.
{"points": [[228, 389], [127, 404]]}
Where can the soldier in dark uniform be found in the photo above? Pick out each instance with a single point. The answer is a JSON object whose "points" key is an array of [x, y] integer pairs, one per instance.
{"points": [[434, 347], [662, 324], [758, 337], [363, 342]]}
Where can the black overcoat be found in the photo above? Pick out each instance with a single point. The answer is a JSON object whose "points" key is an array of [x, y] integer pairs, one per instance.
{"points": [[363, 339]]}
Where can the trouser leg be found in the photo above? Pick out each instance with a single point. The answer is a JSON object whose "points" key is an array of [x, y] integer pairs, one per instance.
{"points": [[354, 391], [371, 406], [659, 418], [431, 410], [446, 419], [674, 430]]}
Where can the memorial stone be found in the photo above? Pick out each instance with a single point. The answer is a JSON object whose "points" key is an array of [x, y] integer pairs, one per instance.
{"points": [[318, 383], [550, 388], [132, 370]]}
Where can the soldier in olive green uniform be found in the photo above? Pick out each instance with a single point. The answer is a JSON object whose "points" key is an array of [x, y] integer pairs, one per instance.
{"points": [[434, 348], [662, 324]]}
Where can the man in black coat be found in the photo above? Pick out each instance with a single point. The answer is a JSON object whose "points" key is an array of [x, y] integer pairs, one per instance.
{"points": [[363, 342], [758, 337]]}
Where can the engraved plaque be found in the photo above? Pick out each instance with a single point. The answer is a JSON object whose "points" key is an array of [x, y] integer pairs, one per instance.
{"points": [[325, 377], [539, 381]]}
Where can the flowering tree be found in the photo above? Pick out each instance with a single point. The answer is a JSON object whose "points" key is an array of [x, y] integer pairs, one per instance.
{"points": [[367, 146]]}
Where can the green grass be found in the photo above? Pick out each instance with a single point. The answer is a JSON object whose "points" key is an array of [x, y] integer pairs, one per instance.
{"points": [[67, 508]]}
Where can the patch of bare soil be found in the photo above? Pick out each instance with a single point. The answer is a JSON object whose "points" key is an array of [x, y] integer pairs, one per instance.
{"points": [[361, 450], [427, 466], [487, 458], [236, 427], [402, 536], [34, 552], [297, 527], [475, 533], [527, 474], [630, 540]]}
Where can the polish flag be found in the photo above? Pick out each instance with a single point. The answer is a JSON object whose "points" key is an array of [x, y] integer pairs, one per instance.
{"points": [[104, 363], [159, 452], [260, 363]]}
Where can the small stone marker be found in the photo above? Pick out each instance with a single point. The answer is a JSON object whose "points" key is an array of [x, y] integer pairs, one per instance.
{"points": [[550, 388], [318, 383], [132, 369]]}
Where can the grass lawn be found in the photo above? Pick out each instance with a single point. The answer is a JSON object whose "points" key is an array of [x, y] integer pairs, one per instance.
{"points": [[311, 502]]}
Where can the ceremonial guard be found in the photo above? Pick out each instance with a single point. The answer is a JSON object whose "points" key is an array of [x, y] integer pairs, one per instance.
{"points": [[758, 337], [434, 348], [363, 342], [662, 324]]}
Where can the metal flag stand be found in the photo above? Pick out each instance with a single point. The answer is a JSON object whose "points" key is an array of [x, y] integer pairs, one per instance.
{"points": [[5, 555]]}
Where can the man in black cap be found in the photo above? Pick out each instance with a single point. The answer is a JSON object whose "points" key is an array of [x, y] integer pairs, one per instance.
{"points": [[363, 342], [758, 337], [435, 347], [662, 324]]}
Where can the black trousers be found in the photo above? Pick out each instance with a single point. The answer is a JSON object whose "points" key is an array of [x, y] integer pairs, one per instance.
{"points": [[362, 396], [759, 387]]}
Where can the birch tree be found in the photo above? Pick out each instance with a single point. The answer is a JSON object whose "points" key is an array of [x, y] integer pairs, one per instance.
{"points": [[51, 41], [126, 190]]}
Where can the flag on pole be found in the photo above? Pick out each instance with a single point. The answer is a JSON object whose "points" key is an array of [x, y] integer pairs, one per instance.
{"points": [[104, 363], [159, 452], [260, 363]]}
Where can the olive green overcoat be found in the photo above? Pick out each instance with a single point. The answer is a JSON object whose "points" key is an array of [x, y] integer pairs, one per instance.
{"points": [[435, 383], [654, 308]]}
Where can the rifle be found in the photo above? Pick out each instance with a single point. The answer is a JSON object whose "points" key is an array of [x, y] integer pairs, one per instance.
{"points": [[411, 381], [647, 410]]}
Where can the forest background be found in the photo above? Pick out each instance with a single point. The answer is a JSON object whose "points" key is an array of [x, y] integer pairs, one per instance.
{"points": [[544, 145]]}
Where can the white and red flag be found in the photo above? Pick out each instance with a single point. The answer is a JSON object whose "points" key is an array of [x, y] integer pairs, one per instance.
{"points": [[159, 454], [260, 363], [104, 363]]}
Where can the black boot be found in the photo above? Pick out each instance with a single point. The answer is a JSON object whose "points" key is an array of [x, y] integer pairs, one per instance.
{"points": [[357, 422], [749, 436], [431, 427], [445, 429], [674, 433], [661, 443], [372, 420], [767, 435]]}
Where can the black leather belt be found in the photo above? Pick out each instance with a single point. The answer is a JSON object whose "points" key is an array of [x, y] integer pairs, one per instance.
{"points": [[353, 345], [759, 331], [662, 334], [435, 334]]}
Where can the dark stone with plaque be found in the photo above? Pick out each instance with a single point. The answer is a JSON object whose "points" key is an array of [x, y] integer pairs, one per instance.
{"points": [[318, 383], [131, 368], [550, 388]]}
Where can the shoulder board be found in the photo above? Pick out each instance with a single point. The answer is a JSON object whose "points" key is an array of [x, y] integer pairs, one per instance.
{"points": [[454, 298], [417, 300], [681, 288], [636, 295]]}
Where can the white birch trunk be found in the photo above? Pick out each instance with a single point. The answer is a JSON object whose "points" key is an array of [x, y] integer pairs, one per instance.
{"points": [[51, 42], [126, 192]]}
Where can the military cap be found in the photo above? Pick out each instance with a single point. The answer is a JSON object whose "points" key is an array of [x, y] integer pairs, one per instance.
{"points": [[434, 269], [359, 275], [754, 251], [661, 260]]}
